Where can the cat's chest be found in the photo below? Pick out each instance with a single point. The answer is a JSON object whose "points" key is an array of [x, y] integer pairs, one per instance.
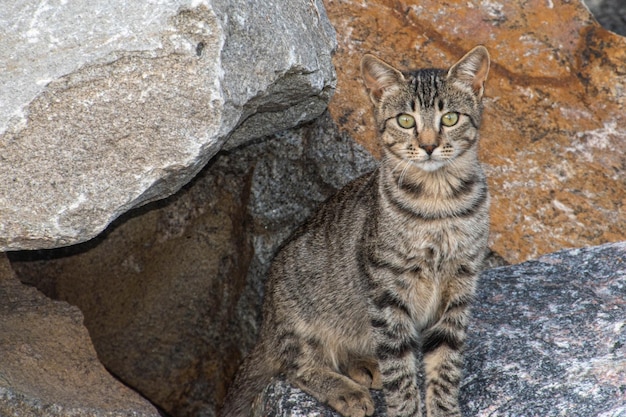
{"points": [[434, 247], [434, 255], [426, 289], [423, 297]]}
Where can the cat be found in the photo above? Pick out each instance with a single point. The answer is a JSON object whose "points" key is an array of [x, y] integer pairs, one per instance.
{"points": [[387, 265]]}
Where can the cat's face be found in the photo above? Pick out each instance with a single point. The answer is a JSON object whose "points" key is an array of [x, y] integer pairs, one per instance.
{"points": [[429, 117]]}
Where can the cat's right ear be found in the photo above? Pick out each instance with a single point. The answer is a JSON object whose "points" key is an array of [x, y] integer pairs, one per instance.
{"points": [[379, 77]]}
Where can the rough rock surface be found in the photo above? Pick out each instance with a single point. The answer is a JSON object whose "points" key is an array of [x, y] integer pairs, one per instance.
{"points": [[48, 366], [548, 338], [171, 294], [611, 14], [555, 116], [106, 105]]}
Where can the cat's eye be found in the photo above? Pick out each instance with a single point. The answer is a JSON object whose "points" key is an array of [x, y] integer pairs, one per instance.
{"points": [[406, 121], [450, 119]]}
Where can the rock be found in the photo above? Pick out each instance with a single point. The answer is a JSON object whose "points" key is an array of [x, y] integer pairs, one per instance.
{"points": [[611, 14], [555, 112], [48, 366], [548, 338], [171, 293], [105, 106]]}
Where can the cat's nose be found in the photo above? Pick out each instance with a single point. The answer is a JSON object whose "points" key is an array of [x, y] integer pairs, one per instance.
{"points": [[428, 148]]}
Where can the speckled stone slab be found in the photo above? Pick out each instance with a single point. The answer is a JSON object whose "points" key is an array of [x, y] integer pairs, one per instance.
{"points": [[548, 339]]}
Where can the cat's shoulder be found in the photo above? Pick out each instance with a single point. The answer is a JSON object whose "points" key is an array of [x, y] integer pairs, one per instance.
{"points": [[357, 194], [348, 204]]}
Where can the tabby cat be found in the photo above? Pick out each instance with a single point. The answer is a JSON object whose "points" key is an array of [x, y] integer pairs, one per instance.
{"points": [[389, 264]]}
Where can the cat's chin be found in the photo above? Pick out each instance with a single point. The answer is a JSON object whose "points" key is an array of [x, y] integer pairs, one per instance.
{"points": [[430, 165]]}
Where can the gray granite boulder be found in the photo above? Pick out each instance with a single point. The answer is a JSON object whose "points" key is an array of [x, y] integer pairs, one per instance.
{"points": [[548, 339], [106, 105]]}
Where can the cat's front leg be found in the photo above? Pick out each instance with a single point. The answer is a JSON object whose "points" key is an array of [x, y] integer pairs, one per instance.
{"points": [[396, 344], [443, 360]]}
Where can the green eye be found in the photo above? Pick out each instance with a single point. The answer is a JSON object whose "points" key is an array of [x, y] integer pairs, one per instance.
{"points": [[406, 120], [450, 119]]}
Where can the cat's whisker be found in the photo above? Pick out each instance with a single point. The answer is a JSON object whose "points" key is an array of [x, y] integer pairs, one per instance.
{"points": [[403, 173], [397, 165]]}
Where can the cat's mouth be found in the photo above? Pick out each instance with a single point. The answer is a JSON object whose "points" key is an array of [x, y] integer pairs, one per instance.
{"points": [[433, 159], [421, 161]]}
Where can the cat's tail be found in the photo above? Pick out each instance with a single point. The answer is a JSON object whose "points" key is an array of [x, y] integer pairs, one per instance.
{"points": [[254, 374]]}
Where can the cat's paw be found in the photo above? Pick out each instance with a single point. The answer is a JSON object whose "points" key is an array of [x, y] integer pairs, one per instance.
{"points": [[439, 412], [366, 373], [352, 403]]}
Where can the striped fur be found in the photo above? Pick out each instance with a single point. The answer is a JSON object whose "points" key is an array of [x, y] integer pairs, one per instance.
{"points": [[389, 264]]}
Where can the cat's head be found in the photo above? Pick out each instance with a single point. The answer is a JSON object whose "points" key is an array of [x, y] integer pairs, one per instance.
{"points": [[429, 117]]}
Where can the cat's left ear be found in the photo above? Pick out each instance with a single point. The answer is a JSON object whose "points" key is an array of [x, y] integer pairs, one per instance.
{"points": [[379, 77], [472, 70]]}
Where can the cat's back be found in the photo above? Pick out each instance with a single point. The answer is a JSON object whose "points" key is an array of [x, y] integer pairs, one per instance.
{"points": [[337, 223], [320, 257]]}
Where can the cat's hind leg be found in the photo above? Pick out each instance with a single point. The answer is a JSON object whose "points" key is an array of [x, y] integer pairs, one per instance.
{"points": [[311, 369], [365, 371], [340, 392]]}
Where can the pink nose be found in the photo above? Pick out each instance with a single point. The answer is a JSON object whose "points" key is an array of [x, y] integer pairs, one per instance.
{"points": [[428, 148]]}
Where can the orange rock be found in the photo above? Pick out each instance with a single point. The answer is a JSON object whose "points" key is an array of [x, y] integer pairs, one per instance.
{"points": [[554, 133]]}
